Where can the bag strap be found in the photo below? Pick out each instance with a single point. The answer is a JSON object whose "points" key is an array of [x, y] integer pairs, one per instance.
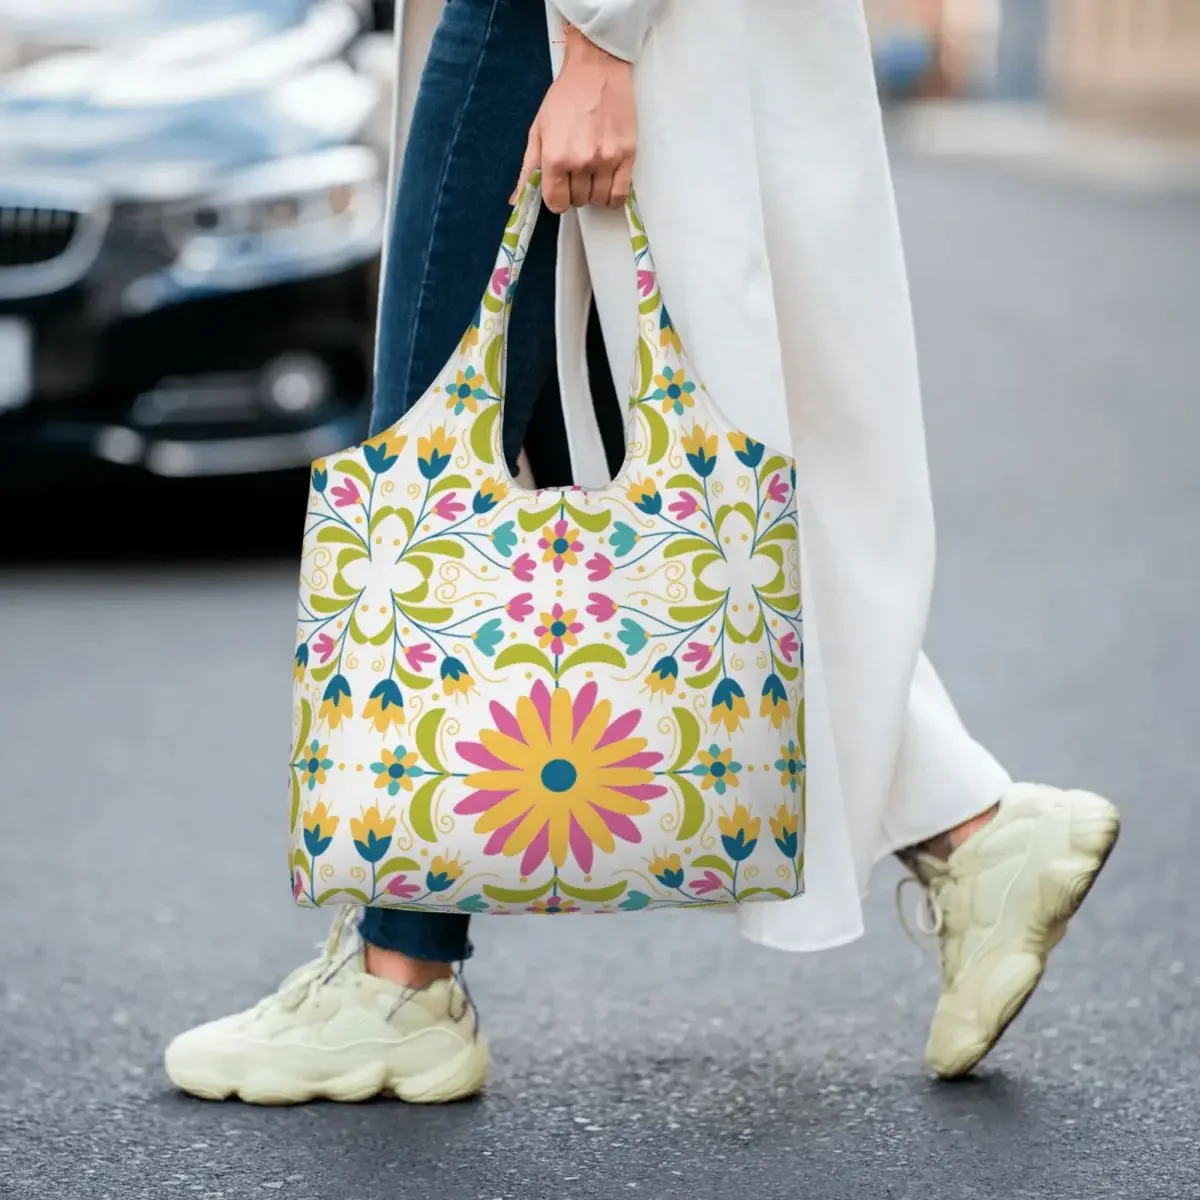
{"points": [[502, 284]]}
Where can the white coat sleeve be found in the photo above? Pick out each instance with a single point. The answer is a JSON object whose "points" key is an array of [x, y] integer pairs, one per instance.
{"points": [[618, 26]]}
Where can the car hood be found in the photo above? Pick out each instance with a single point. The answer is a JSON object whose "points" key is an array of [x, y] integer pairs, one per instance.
{"points": [[155, 112]]}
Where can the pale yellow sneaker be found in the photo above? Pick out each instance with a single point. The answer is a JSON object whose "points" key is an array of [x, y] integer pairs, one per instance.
{"points": [[333, 1032], [999, 904]]}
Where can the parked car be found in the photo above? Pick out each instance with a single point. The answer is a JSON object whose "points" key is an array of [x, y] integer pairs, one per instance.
{"points": [[191, 204]]}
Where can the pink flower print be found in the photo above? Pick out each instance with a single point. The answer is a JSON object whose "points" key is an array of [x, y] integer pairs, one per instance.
{"points": [[778, 490], [297, 886], [599, 567], [685, 506], [419, 655], [698, 655], [448, 508], [324, 646], [501, 278], [519, 607], [788, 645], [560, 545], [399, 887], [645, 280], [559, 776], [601, 608], [710, 881], [345, 493], [523, 568]]}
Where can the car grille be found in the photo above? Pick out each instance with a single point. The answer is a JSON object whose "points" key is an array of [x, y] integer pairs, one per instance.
{"points": [[30, 237]]}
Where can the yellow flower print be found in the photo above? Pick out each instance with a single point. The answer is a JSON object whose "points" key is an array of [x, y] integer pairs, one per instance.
{"points": [[336, 704], [700, 441], [319, 828], [385, 706], [784, 826], [372, 833], [455, 678], [739, 832], [443, 873], [667, 869], [644, 495], [433, 452]]}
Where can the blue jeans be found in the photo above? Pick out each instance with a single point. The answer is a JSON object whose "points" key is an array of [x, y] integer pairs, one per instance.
{"points": [[486, 75]]}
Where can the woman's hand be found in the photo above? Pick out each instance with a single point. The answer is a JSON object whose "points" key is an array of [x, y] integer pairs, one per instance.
{"points": [[585, 134]]}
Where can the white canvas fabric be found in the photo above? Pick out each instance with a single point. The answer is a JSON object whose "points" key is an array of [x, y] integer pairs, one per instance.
{"points": [[563, 700]]}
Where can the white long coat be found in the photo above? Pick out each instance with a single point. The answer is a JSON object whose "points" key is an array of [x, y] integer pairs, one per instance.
{"points": [[764, 184]]}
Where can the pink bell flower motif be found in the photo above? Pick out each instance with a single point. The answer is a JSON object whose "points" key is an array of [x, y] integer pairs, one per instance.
{"points": [[400, 888], [710, 881], [778, 490], [419, 655], [599, 567], [523, 567], [501, 278], [519, 607], [601, 608], [324, 646], [344, 493], [788, 645], [448, 507], [698, 655], [685, 506], [645, 282]]}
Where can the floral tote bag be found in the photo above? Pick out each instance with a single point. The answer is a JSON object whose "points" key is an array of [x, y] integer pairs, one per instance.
{"points": [[550, 701]]}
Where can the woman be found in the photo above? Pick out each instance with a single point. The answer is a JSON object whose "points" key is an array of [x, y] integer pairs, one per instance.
{"points": [[763, 182]]}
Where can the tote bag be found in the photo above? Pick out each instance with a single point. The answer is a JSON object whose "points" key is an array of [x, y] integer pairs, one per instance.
{"points": [[550, 701]]}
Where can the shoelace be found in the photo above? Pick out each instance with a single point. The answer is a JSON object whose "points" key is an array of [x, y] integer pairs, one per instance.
{"points": [[335, 956], [927, 913]]}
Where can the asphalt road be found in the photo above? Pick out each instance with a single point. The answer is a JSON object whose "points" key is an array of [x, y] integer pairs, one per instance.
{"points": [[141, 846]]}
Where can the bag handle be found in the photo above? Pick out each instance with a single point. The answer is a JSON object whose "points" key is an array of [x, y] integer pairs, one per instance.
{"points": [[506, 272]]}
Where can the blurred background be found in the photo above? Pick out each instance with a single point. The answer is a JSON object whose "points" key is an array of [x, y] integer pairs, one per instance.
{"points": [[191, 203]]}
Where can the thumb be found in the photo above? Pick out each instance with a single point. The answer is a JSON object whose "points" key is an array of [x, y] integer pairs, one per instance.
{"points": [[532, 161]]}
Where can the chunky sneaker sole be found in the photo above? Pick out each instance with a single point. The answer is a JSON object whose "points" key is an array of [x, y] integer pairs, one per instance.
{"points": [[1072, 837], [458, 1078]]}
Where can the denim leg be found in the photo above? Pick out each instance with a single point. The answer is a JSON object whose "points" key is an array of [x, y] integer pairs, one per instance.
{"points": [[487, 72], [488, 69]]}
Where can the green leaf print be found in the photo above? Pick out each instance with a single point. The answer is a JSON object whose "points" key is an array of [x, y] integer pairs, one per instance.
{"points": [[380, 515], [645, 369], [295, 811], [689, 545], [775, 463], [394, 866], [325, 897], [705, 678], [694, 808], [353, 893], [598, 895], [409, 678], [429, 616], [420, 810], [426, 736], [340, 534], [685, 481], [692, 614], [321, 673], [300, 862], [533, 521], [516, 895], [327, 605], [591, 654], [784, 531], [726, 510], [753, 637], [491, 364], [689, 736], [305, 724], [714, 862], [357, 470], [764, 891], [593, 522], [511, 655], [445, 546], [660, 435], [480, 436], [447, 482]]}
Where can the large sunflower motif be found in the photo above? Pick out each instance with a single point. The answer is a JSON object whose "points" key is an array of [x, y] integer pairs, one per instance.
{"points": [[559, 776]]}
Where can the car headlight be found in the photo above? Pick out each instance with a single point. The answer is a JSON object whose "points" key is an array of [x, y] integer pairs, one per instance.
{"points": [[291, 209]]}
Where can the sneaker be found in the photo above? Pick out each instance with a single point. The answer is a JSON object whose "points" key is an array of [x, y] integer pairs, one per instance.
{"points": [[999, 904], [333, 1032]]}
